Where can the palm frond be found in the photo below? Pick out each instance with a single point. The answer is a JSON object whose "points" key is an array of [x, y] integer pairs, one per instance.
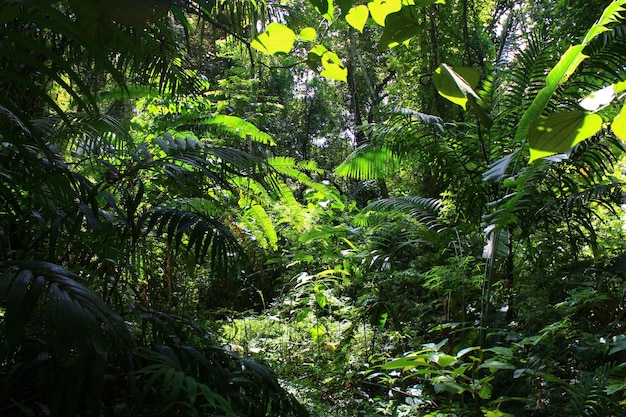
{"points": [[223, 124], [233, 384], [66, 329], [424, 210], [368, 162], [202, 234]]}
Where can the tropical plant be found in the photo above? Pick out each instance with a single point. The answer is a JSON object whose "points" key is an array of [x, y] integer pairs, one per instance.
{"points": [[103, 212]]}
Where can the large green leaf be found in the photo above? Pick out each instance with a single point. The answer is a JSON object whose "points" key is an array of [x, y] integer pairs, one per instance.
{"points": [[381, 8], [560, 132], [563, 70], [619, 124], [333, 67], [276, 38], [327, 63], [399, 27], [456, 84], [308, 34], [357, 17]]}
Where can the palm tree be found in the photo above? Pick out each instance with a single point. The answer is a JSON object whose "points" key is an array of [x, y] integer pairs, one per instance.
{"points": [[94, 220]]}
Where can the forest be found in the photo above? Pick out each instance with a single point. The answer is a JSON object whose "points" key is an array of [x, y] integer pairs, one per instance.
{"points": [[295, 208]]}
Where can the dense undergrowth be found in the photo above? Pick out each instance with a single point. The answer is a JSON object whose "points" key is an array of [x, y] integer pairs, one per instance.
{"points": [[183, 233]]}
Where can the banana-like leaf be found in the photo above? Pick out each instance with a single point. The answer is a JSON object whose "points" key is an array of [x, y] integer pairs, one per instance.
{"points": [[564, 69], [456, 84], [560, 132]]}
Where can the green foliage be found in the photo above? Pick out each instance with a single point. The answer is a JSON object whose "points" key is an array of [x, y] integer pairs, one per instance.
{"points": [[173, 227]]}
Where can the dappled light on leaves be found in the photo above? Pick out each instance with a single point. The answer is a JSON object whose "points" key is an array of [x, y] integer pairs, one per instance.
{"points": [[561, 131], [277, 38]]}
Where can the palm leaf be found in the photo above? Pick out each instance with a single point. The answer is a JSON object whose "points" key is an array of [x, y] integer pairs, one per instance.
{"points": [[202, 233], [424, 210], [368, 162], [75, 330]]}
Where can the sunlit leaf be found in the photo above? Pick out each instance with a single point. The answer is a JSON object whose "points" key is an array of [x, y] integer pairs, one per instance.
{"points": [[560, 132], [445, 360], [308, 34], [276, 38], [314, 58], [456, 84], [619, 124], [496, 413], [357, 17], [406, 362], [598, 99], [619, 87], [467, 350], [494, 365], [566, 66], [561, 72], [321, 299], [381, 8], [368, 163], [333, 67], [318, 331]]}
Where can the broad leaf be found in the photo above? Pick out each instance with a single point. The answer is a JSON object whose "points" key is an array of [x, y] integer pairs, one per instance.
{"points": [[327, 63], [308, 34], [321, 299], [333, 67], [381, 8], [357, 17], [619, 124], [399, 27], [561, 72], [325, 7], [456, 84], [560, 132], [276, 38], [598, 99], [318, 331], [345, 6]]}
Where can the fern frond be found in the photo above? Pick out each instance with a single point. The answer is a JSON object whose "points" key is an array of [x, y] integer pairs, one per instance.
{"points": [[256, 213]]}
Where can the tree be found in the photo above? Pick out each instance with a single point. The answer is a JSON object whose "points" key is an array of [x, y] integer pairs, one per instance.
{"points": [[102, 211]]}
